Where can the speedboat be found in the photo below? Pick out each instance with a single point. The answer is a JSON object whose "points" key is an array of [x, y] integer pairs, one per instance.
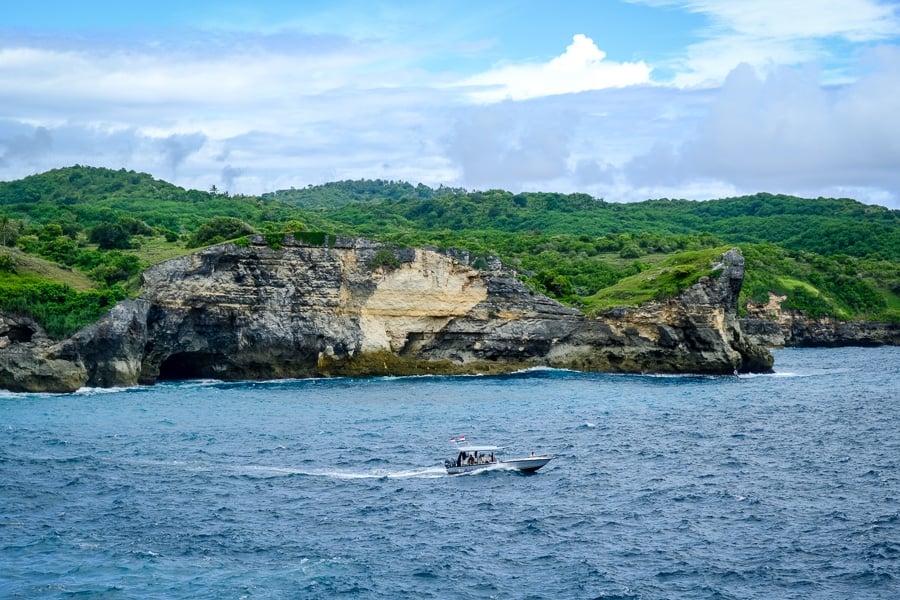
{"points": [[474, 458]]}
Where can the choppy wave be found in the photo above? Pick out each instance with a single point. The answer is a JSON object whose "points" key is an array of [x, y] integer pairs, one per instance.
{"points": [[95, 391], [755, 487]]}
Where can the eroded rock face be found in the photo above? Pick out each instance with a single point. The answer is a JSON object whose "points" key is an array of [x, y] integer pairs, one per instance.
{"points": [[773, 326], [694, 332], [305, 311], [112, 349], [30, 361]]}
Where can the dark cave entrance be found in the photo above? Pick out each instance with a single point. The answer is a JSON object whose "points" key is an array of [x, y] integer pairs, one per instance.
{"points": [[191, 365], [19, 333]]}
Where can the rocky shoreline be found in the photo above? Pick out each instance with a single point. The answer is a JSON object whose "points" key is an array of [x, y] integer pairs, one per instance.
{"points": [[351, 307], [771, 325]]}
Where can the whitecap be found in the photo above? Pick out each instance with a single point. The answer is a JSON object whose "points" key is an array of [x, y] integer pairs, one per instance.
{"points": [[96, 391], [543, 369]]}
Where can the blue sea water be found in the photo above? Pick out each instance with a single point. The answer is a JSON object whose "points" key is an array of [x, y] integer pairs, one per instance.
{"points": [[776, 486]]}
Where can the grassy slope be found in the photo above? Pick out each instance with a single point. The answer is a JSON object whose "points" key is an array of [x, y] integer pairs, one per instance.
{"points": [[35, 268], [60, 299], [666, 278]]}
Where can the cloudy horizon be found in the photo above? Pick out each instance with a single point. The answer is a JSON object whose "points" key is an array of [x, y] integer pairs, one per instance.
{"points": [[624, 100]]}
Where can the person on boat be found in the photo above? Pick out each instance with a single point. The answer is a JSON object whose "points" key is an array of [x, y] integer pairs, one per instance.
{"points": [[491, 459], [460, 459], [471, 460]]}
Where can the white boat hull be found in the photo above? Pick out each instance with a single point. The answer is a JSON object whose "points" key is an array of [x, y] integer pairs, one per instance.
{"points": [[530, 464], [526, 465]]}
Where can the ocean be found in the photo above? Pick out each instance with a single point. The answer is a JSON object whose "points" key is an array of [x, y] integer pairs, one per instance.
{"points": [[768, 486]]}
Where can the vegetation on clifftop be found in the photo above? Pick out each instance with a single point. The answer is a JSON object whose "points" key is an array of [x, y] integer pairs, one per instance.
{"points": [[668, 278], [828, 256], [62, 302]]}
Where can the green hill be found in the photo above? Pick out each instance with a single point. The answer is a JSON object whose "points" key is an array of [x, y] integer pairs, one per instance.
{"points": [[87, 196], [338, 193], [824, 225], [829, 256]]}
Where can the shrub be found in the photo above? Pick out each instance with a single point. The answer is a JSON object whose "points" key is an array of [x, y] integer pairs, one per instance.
{"points": [[110, 236], [384, 258], [294, 227], [134, 226], [630, 250], [814, 305], [7, 264], [220, 228], [59, 309], [28, 244], [275, 240], [60, 249]]}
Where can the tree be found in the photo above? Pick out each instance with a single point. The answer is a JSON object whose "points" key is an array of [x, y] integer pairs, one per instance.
{"points": [[294, 226], [116, 267], [8, 231], [134, 226], [219, 228], [61, 249], [110, 236], [50, 231]]}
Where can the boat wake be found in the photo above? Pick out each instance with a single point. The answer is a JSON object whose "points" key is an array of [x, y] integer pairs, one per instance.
{"points": [[265, 472], [792, 374]]}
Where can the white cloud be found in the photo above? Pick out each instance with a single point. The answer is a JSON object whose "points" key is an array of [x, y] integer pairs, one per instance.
{"points": [[580, 68], [511, 144], [24, 144], [785, 132], [252, 112], [769, 33], [227, 86], [707, 64], [853, 20]]}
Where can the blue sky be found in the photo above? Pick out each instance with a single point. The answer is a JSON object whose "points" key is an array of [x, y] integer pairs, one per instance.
{"points": [[624, 100]]}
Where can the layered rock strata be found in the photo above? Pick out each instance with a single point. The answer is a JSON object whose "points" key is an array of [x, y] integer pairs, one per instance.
{"points": [[774, 326], [255, 312]]}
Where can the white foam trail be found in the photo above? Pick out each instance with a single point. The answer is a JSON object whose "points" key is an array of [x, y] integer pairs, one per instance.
{"points": [[96, 391], [792, 374], [539, 369], [417, 472]]}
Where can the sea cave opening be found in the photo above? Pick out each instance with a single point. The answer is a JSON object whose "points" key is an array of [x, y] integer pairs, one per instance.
{"points": [[190, 365], [19, 333]]}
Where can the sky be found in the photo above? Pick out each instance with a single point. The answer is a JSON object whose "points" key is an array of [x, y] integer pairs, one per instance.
{"points": [[622, 99]]}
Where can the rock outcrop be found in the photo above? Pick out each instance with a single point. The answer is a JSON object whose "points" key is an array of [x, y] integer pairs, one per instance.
{"points": [[774, 326], [29, 360], [358, 308]]}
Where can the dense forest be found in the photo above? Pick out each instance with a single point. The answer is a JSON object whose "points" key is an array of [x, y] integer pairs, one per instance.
{"points": [[74, 240]]}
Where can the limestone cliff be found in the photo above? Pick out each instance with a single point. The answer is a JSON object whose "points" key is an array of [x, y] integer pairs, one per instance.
{"points": [[341, 309], [29, 360], [773, 325]]}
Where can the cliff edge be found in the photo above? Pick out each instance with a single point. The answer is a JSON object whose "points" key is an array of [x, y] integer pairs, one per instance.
{"points": [[774, 326], [358, 308]]}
